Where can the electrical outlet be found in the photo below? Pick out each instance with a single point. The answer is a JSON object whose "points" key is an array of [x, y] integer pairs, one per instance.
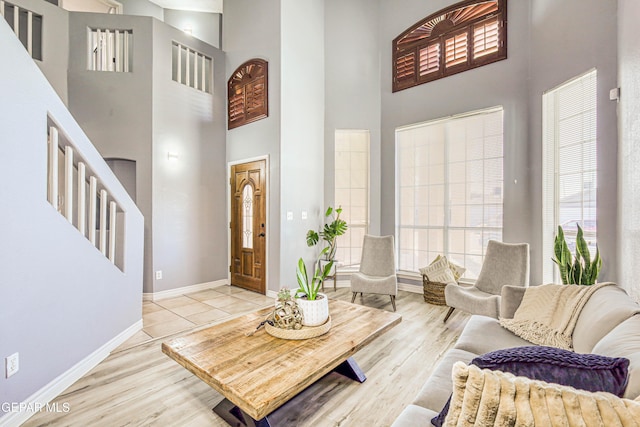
{"points": [[159, 275], [12, 364], [289, 216]]}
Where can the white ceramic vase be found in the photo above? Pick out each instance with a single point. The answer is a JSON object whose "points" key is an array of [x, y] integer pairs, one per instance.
{"points": [[314, 313]]}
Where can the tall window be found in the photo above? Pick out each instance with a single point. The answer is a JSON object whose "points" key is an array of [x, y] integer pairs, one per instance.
{"points": [[449, 189], [463, 36], [352, 191], [570, 167]]}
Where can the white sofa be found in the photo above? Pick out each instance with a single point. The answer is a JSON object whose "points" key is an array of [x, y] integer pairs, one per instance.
{"points": [[608, 325]]}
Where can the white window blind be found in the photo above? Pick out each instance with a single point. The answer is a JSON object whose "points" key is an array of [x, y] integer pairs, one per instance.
{"points": [[352, 191], [570, 165], [449, 189]]}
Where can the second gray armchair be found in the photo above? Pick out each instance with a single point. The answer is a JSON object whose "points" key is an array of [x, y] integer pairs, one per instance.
{"points": [[377, 273], [504, 264]]}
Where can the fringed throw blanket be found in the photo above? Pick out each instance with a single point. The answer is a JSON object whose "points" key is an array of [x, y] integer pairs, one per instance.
{"points": [[483, 398], [548, 313]]}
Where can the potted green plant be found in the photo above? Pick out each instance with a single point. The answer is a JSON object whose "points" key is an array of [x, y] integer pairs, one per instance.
{"points": [[579, 269], [333, 228], [313, 303]]}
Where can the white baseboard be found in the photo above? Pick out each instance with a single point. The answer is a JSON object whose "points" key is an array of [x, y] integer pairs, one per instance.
{"points": [[45, 395], [171, 293]]}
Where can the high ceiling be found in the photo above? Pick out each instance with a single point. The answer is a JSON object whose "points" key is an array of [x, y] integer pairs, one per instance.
{"points": [[212, 6]]}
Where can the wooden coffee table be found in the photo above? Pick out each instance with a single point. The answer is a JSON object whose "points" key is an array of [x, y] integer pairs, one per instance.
{"points": [[258, 374]]}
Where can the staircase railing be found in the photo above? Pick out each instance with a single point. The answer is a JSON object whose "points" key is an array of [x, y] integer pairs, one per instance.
{"points": [[75, 192], [27, 26]]}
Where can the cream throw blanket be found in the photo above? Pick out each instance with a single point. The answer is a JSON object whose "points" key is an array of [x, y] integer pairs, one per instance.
{"points": [[485, 398], [548, 313]]}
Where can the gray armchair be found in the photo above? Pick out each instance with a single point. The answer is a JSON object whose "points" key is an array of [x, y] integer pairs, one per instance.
{"points": [[377, 273], [504, 264]]}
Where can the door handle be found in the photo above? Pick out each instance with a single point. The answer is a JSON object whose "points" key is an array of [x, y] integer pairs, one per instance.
{"points": [[261, 235]]}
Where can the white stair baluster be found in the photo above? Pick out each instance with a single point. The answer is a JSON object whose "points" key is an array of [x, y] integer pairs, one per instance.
{"points": [[30, 33], [93, 188], [109, 41], [16, 20], [53, 167], [204, 73], [82, 198], [98, 50], [112, 231], [179, 64], [118, 51], [103, 221], [126, 51], [68, 183], [188, 69]]}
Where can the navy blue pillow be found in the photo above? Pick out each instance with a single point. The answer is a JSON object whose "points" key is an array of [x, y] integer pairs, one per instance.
{"points": [[590, 372]]}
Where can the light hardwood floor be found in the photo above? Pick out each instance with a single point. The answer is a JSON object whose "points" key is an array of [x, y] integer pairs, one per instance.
{"points": [[140, 386]]}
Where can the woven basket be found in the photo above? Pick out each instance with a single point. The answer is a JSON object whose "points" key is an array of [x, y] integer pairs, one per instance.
{"points": [[433, 291], [299, 334]]}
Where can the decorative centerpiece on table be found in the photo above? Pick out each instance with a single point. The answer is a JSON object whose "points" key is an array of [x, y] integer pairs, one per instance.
{"points": [[287, 314]]}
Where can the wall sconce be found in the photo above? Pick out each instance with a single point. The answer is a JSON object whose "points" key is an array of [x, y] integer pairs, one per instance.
{"points": [[172, 157], [188, 30]]}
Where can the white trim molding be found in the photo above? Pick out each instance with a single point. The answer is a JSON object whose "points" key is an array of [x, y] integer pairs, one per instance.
{"points": [[45, 395], [171, 293]]}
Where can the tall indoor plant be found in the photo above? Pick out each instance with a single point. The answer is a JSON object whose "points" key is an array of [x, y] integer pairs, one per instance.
{"points": [[579, 269], [334, 227]]}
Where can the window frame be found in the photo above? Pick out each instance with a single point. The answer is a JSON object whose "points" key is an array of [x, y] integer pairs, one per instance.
{"points": [[403, 47], [352, 261], [248, 93], [552, 175], [448, 226]]}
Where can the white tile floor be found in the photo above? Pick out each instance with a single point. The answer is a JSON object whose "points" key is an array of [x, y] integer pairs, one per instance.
{"points": [[169, 316]]}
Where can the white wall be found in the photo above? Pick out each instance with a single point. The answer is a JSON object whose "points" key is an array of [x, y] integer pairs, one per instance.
{"points": [[189, 219], [252, 30], [569, 38], [141, 116], [352, 87], [95, 6], [115, 109], [302, 129], [548, 43], [55, 49], [61, 299], [502, 83], [629, 146], [205, 26], [142, 8]]}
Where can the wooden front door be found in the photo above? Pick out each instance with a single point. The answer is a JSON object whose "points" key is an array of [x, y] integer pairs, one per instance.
{"points": [[248, 220]]}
